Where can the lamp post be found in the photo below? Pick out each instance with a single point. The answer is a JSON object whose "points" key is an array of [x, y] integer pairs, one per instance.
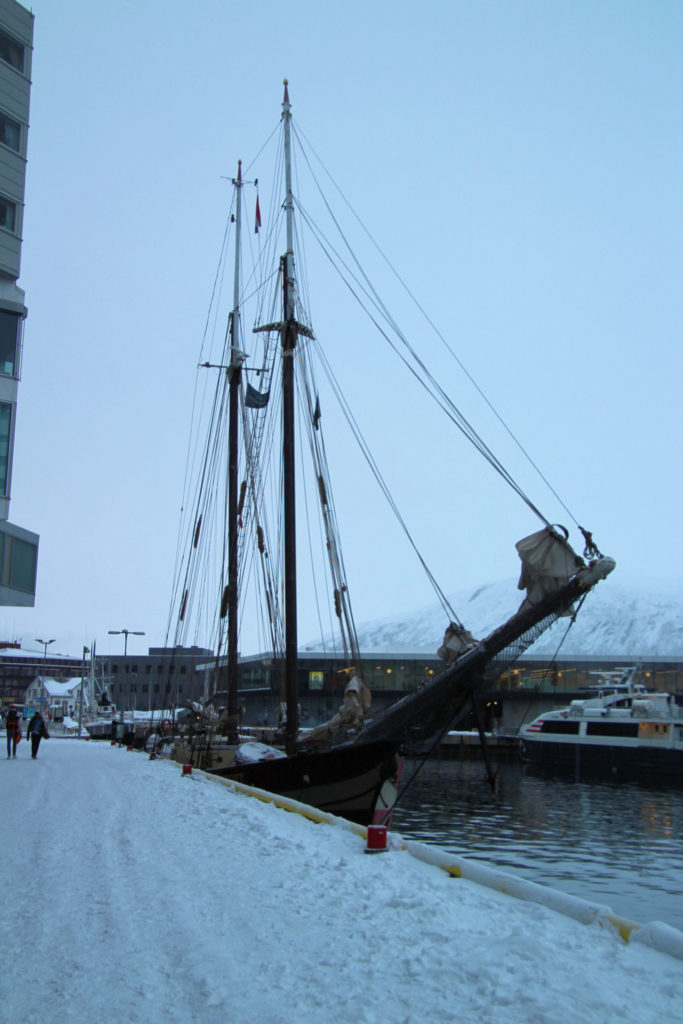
{"points": [[86, 650], [126, 633], [45, 644]]}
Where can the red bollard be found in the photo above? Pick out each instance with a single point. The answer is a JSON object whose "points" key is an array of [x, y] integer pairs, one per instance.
{"points": [[187, 769], [377, 839], [113, 743]]}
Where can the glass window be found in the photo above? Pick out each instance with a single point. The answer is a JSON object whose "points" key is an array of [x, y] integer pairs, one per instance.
{"points": [[8, 214], [315, 680], [23, 571], [10, 132], [9, 333], [11, 51], [5, 425]]}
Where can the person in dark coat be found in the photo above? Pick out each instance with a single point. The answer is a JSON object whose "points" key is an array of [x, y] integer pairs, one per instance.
{"points": [[36, 731], [13, 732]]}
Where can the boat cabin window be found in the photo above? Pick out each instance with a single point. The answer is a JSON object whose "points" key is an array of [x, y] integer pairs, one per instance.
{"points": [[604, 728], [654, 730], [560, 725], [11, 51]]}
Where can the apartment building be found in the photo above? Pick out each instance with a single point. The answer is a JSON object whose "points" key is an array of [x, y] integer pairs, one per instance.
{"points": [[18, 546]]}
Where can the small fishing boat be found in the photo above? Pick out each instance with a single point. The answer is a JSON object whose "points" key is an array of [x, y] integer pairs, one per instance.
{"points": [[619, 726], [240, 529]]}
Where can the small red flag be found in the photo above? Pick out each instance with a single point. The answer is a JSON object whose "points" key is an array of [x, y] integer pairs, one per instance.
{"points": [[257, 223]]}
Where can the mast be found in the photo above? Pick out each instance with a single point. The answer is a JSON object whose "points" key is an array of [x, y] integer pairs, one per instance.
{"points": [[235, 373], [289, 339]]}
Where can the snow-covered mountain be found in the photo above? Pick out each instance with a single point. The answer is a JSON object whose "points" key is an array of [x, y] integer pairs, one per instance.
{"points": [[621, 620]]}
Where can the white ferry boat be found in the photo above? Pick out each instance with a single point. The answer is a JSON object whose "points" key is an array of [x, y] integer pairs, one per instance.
{"points": [[618, 726]]}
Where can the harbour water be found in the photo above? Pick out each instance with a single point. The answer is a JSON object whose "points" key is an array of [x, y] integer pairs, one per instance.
{"points": [[619, 844]]}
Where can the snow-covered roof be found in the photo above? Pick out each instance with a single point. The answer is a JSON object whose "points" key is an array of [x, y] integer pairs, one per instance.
{"points": [[65, 688]]}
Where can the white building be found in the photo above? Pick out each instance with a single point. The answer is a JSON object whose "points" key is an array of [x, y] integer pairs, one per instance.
{"points": [[56, 699]]}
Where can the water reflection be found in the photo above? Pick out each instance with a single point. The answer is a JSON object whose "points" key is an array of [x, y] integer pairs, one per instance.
{"points": [[615, 843]]}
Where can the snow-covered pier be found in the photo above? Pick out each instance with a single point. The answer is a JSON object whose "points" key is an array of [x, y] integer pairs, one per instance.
{"points": [[136, 893]]}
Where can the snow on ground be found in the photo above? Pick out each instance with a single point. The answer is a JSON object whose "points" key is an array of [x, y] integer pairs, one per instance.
{"points": [[133, 893]]}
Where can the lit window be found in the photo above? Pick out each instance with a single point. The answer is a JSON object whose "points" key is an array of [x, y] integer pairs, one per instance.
{"points": [[8, 214], [11, 51], [315, 680]]}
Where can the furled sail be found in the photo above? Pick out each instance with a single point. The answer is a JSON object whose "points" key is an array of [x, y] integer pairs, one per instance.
{"points": [[456, 641], [351, 713], [548, 563]]}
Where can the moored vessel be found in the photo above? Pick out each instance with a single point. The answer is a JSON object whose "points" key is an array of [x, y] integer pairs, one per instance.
{"points": [[619, 726]]}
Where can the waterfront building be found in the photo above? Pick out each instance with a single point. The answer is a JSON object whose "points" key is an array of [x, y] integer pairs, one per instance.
{"points": [[167, 676], [55, 698], [18, 545], [18, 669]]}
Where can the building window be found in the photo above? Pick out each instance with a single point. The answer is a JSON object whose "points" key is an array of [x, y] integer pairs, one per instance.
{"points": [[5, 427], [10, 132], [23, 567], [8, 214], [10, 324], [11, 51]]}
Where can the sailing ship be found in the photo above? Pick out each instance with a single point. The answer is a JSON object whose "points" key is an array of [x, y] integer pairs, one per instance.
{"points": [[350, 764]]}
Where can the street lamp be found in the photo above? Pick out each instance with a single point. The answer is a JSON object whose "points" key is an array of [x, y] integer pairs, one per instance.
{"points": [[126, 634], [45, 644], [86, 651]]}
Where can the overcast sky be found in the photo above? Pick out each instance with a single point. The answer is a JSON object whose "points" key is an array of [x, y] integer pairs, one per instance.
{"points": [[520, 162]]}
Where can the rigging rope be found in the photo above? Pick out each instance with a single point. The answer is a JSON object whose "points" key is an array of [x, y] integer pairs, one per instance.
{"points": [[299, 136]]}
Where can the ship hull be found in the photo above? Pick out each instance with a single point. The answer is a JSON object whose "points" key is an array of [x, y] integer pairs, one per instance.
{"points": [[356, 782], [626, 759]]}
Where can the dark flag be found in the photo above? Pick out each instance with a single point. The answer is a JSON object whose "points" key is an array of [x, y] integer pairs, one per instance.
{"points": [[256, 399]]}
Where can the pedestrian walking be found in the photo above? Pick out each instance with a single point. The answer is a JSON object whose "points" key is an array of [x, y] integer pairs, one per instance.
{"points": [[13, 731], [37, 730]]}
